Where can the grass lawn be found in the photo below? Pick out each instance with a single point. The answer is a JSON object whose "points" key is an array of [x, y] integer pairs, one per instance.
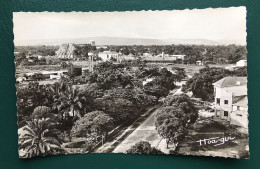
{"points": [[237, 147]]}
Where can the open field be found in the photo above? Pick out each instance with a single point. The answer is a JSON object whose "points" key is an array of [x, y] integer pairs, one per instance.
{"points": [[20, 70], [190, 69], [235, 148]]}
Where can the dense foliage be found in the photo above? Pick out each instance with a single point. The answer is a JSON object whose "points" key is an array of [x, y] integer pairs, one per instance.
{"points": [[162, 83], [39, 136], [95, 123], [81, 51], [91, 105], [201, 84], [214, 54], [143, 147], [172, 120]]}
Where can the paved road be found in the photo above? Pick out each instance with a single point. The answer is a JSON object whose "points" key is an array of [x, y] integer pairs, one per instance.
{"points": [[145, 132], [121, 133], [143, 129]]}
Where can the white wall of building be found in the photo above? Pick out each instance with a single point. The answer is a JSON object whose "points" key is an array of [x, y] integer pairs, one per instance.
{"points": [[225, 102], [106, 56], [241, 63], [239, 118]]}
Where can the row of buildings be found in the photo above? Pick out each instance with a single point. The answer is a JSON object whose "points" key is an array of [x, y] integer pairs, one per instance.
{"points": [[67, 51], [231, 101]]}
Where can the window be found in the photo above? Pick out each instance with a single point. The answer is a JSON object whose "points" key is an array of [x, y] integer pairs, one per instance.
{"points": [[225, 101], [218, 101], [238, 107], [226, 113]]}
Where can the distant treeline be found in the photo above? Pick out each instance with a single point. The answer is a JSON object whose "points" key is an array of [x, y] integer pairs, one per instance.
{"points": [[36, 50], [218, 54]]}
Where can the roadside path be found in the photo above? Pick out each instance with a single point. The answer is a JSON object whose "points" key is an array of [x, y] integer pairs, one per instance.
{"points": [[145, 132], [115, 138]]}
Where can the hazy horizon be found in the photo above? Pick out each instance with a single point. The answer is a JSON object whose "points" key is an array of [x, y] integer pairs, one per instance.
{"points": [[220, 25]]}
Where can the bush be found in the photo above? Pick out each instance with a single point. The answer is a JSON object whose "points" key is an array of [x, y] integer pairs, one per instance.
{"points": [[143, 147]]}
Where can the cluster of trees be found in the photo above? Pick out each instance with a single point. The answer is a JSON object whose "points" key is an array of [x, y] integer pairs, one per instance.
{"points": [[46, 113], [201, 83], [112, 94], [39, 136], [122, 89], [218, 54], [172, 120], [22, 51], [162, 83], [208, 54], [62, 99], [81, 51], [94, 125], [36, 50]]}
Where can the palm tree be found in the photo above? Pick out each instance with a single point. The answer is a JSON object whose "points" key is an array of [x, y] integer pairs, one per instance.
{"points": [[73, 102], [38, 138], [68, 102]]}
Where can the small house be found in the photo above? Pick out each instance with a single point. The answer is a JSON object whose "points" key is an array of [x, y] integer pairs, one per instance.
{"points": [[241, 63]]}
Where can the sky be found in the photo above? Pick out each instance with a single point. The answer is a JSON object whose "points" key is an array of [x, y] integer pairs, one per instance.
{"points": [[219, 24]]}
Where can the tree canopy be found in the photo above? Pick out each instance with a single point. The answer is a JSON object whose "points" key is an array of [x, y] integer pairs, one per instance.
{"points": [[172, 120], [93, 123], [201, 84], [143, 147]]}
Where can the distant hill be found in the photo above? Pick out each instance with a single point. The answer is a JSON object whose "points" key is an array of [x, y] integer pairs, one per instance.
{"points": [[104, 40]]}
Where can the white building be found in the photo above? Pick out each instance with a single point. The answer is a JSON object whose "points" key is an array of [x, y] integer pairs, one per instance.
{"points": [[179, 57], [239, 114], [229, 91], [148, 80], [128, 57], [241, 63], [108, 55], [147, 55], [171, 57], [199, 62], [51, 74]]}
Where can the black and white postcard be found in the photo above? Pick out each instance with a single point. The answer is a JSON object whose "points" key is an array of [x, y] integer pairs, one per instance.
{"points": [[151, 82]]}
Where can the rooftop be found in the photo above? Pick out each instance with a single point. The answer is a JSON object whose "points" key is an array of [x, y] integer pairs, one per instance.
{"points": [[109, 52], [242, 61], [231, 81], [243, 101]]}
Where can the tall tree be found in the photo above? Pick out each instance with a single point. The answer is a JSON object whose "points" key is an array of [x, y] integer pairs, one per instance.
{"points": [[170, 127], [70, 105], [184, 105]]}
